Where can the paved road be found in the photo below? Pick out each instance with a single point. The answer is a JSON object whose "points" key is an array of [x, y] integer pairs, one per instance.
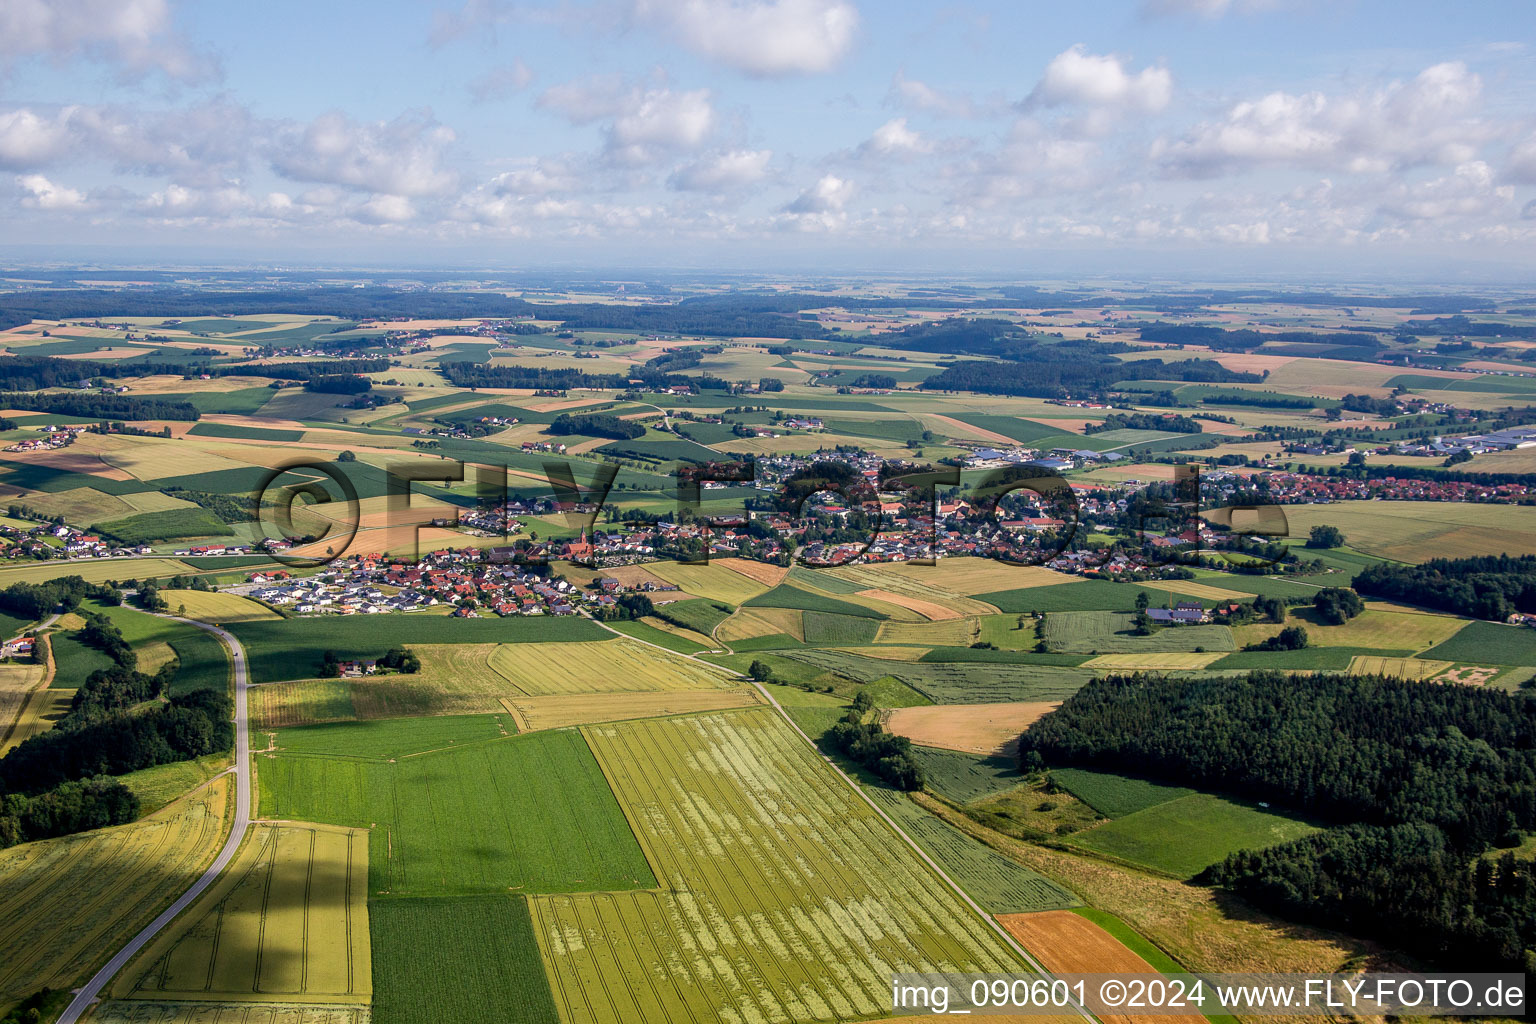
{"points": [[88, 995]]}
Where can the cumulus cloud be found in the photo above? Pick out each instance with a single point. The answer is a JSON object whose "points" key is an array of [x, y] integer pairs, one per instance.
{"points": [[1428, 119], [42, 194], [895, 139], [722, 172], [1075, 77], [765, 38], [135, 35], [402, 157], [1470, 190], [1521, 166], [641, 120]]}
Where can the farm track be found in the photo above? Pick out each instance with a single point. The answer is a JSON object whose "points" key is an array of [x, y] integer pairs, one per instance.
{"points": [[87, 995]]}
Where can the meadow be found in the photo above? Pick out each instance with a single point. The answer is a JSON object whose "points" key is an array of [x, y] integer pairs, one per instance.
{"points": [[808, 926], [839, 630], [1487, 643], [954, 682], [64, 902], [1182, 837], [1376, 627], [1099, 632], [999, 885], [697, 614], [652, 634], [1115, 796], [961, 778], [517, 813], [787, 596], [287, 919]]}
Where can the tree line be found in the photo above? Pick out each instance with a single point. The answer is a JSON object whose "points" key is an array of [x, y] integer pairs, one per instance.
{"points": [[99, 406], [1421, 779], [1482, 587], [1145, 421], [596, 424]]}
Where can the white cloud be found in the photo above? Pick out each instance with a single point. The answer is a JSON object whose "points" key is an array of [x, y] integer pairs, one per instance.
{"points": [[1426, 120], [914, 94], [1206, 8], [1521, 166], [895, 139], [29, 140], [45, 195], [760, 37], [385, 210], [403, 157], [1469, 190], [722, 172], [829, 195], [501, 82], [1078, 78], [642, 121], [137, 35]]}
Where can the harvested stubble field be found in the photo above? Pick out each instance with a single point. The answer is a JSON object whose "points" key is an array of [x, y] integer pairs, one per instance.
{"points": [[956, 632], [931, 606], [754, 622], [1412, 531], [792, 900], [64, 902], [968, 728], [1110, 633], [504, 814], [287, 920], [18, 681], [1372, 628], [558, 712], [998, 884], [758, 572], [1067, 943], [955, 682], [95, 571]]}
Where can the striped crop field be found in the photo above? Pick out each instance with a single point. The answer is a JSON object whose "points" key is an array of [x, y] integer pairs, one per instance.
{"points": [[619, 665], [64, 902], [216, 606], [289, 919], [950, 633], [962, 576], [716, 582], [1403, 668], [135, 1011], [789, 899], [1152, 662]]}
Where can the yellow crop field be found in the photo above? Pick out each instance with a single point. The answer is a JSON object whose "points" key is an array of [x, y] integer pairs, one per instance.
{"points": [[715, 582], [964, 576], [96, 570], [1373, 627], [612, 666], [907, 654], [790, 899], [758, 572], [135, 1011], [287, 920], [300, 702], [154, 501], [1152, 662], [691, 635], [82, 505], [558, 712], [1403, 668], [949, 633], [1412, 531], [18, 680], [214, 606], [66, 903], [751, 622], [43, 708], [1189, 588]]}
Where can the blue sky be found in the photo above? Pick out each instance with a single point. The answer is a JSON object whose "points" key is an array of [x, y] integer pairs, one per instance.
{"points": [[1205, 134]]}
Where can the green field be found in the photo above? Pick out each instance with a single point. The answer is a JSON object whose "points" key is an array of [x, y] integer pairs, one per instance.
{"points": [[660, 637], [1081, 595], [1111, 633], [172, 524], [202, 661], [1184, 836], [1000, 885], [786, 596], [391, 738], [956, 682], [697, 614], [522, 813], [293, 648], [245, 433], [74, 661], [1115, 796], [1309, 658], [839, 630], [1488, 643], [447, 961]]}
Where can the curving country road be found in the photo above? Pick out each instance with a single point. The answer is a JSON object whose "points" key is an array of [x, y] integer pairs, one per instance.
{"points": [[88, 994]]}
